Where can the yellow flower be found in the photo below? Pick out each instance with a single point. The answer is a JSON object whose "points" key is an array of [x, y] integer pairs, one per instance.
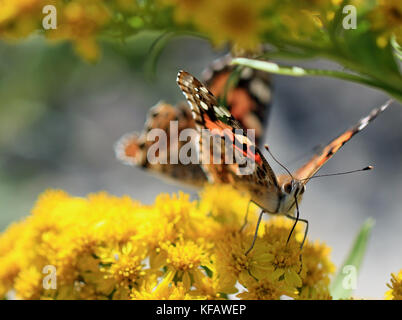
{"points": [[28, 284], [123, 265], [318, 269], [265, 289], [20, 18], [164, 292], [184, 260], [395, 292], [228, 206], [285, 257], [186, 10], [207, 288], [106, 247], [80, 21], [305, 19], [386, 19], [10, 268], [232, 264], [238, 22]]}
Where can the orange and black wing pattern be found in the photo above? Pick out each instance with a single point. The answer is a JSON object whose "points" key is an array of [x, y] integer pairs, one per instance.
{"points": [[318, 160], [245, 92], [249, 97], [132, 148], [214, 120]]}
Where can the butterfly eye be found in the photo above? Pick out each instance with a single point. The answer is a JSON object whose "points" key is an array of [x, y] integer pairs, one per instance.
{"points": [[287, 188]]}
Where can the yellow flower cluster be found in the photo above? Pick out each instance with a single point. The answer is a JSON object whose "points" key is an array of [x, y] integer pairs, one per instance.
{"points": [[395, 288], [107, 247], [238, 22], [243, 24], [79, 21]]}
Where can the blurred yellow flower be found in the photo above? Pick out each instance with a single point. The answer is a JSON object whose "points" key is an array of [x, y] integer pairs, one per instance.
{"points": [[106, 247], [238, 22], [186, 10], [20, 18], [386, 19], [28, 283], [78, 21]]}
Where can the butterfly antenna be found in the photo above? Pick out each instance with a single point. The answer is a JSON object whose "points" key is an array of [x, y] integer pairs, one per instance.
{"points": [[277, 161], [339, 173]]}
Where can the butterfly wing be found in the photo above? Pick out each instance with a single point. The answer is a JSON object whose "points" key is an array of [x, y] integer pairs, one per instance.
{"points": [[249, 97], [244, 91], [209, 114], [132, 148], [318, 160]]}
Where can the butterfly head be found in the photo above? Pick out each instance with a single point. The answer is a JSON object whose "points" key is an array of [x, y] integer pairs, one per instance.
{"points": [[291, 189]]}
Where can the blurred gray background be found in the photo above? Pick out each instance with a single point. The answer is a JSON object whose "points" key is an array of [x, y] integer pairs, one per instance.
{"points": [[59, 119]]}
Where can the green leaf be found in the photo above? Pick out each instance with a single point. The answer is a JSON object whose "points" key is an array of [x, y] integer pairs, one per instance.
{"points": [[397, 47], [340, 288], [270, 67], [295, 71]]}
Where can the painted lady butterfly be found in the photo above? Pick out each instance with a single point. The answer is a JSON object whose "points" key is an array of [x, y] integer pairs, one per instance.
{"points": [[231, 99], [274, 194]]}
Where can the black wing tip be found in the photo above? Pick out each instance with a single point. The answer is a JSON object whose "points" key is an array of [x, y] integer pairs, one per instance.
{"points": [[373, 114]]}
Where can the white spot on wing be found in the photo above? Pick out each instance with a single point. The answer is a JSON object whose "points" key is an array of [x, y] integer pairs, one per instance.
{"points": [[218, 111], [204, 89], [204, 105]]}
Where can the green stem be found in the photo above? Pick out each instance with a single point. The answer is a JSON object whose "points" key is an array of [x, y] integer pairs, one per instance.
{"points": [[343, 284]]}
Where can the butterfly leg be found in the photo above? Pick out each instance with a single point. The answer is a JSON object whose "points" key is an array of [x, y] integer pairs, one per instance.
{"points": [[305, 231], [297, 219], [246, 216], [255, 233]]}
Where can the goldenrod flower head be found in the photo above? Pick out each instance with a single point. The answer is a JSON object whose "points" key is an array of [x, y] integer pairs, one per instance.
{"points": [[318, 269], [265, 289], [106, 247], [184, 260], [231, 262], [175, 291], [124, 265], [395, 292], [28, 284], [228, 207]]}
